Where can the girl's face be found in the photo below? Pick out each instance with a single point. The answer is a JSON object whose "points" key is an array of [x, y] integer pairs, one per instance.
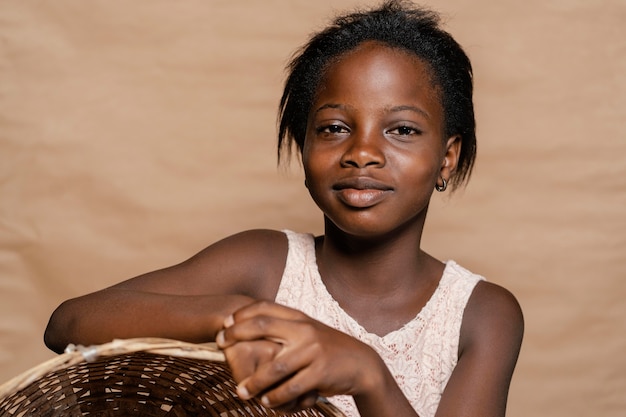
{"points": [[374, 147]]}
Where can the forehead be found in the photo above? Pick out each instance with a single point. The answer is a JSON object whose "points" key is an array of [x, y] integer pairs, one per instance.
{"points": [[381, 72], [377, 47]]}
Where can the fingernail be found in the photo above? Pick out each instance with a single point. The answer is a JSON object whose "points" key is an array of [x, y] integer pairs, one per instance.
{"points": [[219, 339], [242, 392], [265, 401], [229, 321]]}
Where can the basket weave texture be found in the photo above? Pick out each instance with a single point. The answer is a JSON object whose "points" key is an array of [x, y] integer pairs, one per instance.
{"points": [[136, 377]]}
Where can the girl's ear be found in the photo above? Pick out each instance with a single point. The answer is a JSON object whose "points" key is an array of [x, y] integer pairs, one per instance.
{"points": [[451, 157]]}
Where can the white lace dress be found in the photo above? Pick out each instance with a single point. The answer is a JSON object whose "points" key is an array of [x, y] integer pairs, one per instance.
{"points": [[421, 355]]}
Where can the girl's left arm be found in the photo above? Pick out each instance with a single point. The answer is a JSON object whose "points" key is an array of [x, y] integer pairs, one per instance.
{"points": [[489, 345]]}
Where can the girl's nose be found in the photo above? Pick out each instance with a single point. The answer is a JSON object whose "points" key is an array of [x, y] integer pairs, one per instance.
{"points": [[364, 150]]}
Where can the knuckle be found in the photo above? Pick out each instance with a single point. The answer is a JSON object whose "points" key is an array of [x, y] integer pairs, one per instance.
{"points": [[270, 350], [262, 322], [287, 396], [293, 389], [264, 303], [279, 369], [245, 349], [262, 306], [309, 331]]}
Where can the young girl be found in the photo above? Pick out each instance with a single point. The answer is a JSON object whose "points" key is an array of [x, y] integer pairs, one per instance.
{"points": [[379, 105]]}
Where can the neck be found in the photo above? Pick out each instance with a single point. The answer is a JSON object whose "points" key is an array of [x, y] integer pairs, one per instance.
{"points": [[373, 264], [389, 275]]}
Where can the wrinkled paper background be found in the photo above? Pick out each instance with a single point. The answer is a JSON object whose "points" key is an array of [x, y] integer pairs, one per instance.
{"points": [[133, 134]]}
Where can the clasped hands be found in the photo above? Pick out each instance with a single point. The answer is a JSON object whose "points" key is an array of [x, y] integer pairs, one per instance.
{"points": [[287, 359]]}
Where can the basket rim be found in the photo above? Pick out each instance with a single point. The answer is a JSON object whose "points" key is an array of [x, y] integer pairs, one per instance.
{"points": [[75, 354]]}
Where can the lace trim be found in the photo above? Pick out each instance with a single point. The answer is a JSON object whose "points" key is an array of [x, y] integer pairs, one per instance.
{"points": [[421, 355]]}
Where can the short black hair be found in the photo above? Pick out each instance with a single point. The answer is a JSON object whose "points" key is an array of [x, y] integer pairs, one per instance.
{"points": [[400, 25]]}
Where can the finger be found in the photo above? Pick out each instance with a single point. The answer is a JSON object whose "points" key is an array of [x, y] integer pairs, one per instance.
{"points": [[264, 308], [257, 327], [308, 400], [298, 390], [281, 370], [244, 358], [305, 401]]}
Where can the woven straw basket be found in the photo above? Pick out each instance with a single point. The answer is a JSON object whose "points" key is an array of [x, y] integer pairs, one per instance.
{"points": [[136, 377]]}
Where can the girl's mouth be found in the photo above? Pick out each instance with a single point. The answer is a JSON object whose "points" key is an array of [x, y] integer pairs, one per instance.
{"points": [[361, 198]]}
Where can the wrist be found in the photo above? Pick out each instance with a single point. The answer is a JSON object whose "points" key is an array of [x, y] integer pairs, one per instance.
{"points": [[228, 305], [379, 394], [373, 377]]}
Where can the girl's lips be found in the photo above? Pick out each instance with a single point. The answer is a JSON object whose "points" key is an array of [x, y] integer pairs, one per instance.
{"points": [[361, 192], [361, 183], [358, 198]]}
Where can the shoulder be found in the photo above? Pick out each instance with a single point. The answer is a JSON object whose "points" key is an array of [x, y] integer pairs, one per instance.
{"points": [[489, 345], [249, 263], [252, 262], [254, 248], [493, 317], [261, 241]]}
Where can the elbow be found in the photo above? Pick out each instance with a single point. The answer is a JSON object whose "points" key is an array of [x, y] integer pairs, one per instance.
{"points": [[57, 333], [52, 340]]}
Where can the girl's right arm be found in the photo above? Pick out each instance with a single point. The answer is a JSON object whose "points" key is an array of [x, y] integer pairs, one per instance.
{"points": [[188, 301]]}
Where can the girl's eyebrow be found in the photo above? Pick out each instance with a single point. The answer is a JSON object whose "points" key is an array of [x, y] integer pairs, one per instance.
{"points": [[409, 108], [332, 106], [393, 109]]}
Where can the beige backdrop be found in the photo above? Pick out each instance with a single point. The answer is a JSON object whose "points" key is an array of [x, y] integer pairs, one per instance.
{"points": [[133, 133]]}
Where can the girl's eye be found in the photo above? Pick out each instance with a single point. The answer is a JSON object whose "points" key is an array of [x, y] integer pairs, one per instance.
{"points": [[332, 129], [404, 131]]}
